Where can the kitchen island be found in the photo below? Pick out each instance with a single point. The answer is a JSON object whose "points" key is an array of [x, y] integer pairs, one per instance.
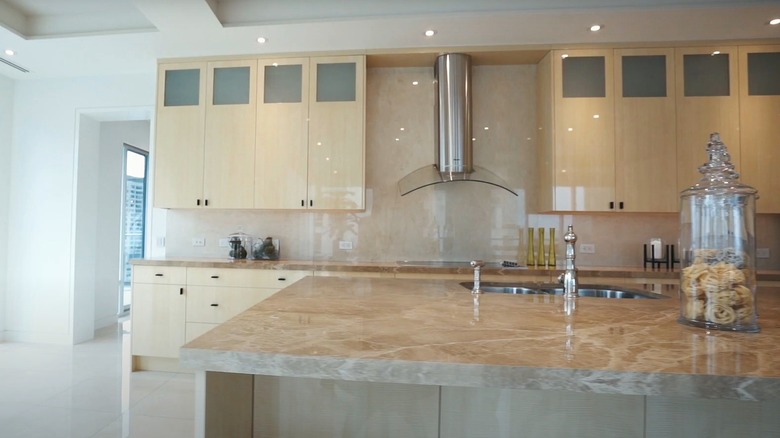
{"points": [[376, 356]]}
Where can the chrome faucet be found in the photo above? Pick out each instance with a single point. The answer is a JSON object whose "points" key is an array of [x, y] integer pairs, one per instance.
{"points": [[477, 265], [569, 277]]}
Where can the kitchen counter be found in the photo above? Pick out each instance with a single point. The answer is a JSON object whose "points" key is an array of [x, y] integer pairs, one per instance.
{"points": [[425, 267], [433, 332]]}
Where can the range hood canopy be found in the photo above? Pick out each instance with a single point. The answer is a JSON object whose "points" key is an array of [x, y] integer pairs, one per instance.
{"points": [[452, 73]]}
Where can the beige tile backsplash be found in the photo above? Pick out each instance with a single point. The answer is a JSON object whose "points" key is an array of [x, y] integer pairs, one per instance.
{"points": [[457, 221]]}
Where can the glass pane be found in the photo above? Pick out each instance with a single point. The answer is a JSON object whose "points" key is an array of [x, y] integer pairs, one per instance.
{"points": [[336, 82], [644, 76], [283, 83], [134, 210], [706, 75], [231, 86], [764, 74], [584, 76], [182, 87]]}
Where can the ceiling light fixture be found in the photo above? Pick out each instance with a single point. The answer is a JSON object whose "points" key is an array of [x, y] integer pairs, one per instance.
{"points": [[595, 28], [430, 32], [10, 52], [262, 40], [774, 21]]}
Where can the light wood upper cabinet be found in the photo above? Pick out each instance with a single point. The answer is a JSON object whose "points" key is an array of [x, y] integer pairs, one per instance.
{"points": [[204, 152], [229, 167], [181, 118], [707, 101], [645, 143], [759, 100], [311, 119], [336, 133], [282, 147], [581, 164]]}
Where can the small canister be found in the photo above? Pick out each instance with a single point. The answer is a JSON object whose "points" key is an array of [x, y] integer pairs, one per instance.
{"points": [[718, 243]]}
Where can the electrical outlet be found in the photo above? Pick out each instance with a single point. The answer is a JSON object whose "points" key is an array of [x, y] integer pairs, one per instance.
{"points": [[223, 243], [762, 253], [587, 248], [198, 241], [345, 244]]}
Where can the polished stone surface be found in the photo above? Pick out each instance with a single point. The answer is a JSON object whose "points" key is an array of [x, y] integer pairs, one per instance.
{"points": [[460, 268], [435, 332]]}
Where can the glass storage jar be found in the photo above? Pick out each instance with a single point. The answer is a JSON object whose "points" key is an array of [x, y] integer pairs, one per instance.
{"points": [[717, 241]]}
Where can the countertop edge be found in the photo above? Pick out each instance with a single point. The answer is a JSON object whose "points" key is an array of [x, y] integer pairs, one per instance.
{"points": [[746, 388]]}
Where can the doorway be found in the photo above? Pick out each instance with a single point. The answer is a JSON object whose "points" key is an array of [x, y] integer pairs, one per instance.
{"points": [[135, 168]]}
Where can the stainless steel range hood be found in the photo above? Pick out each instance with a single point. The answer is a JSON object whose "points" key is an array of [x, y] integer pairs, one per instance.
{"points": [[453, 131]]}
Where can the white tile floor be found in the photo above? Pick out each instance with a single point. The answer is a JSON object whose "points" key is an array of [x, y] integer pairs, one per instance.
{"points": [[87, 390]]}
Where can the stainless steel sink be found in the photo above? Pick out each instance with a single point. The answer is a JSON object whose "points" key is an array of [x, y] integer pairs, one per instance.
{"points": [[589, 290]]}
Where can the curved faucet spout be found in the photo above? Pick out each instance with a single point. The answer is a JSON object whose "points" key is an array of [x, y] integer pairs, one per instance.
{"points": [[569, 276]]}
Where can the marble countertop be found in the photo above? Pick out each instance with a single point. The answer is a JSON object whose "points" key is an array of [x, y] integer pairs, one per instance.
{"points": [[434, 332]]}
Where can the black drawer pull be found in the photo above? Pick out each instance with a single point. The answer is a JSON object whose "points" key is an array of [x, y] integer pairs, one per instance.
{"points": [[197, 202], [206, 202], [181, 291], [215, 276], [158, 275], [621, 205], [214, 305], [282, 279]]}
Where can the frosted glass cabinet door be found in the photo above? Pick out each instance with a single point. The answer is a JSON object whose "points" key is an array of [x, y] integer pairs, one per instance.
{"points": [[337, 133], [759, 107], [229, 166], [584, 134], [707, 101], [645, 148], [181, 116], [282, 133]]}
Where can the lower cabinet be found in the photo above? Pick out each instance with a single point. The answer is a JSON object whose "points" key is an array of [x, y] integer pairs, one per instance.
{"points": [[174, 305]]}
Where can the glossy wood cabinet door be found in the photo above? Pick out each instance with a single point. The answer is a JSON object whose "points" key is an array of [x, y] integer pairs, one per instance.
{"points": [[707, 101], [310, 133], [158, 311], [759, 100], [229, 165], [645, 131], [281, 151], [336, 175], [584, 149], [179, 153]]}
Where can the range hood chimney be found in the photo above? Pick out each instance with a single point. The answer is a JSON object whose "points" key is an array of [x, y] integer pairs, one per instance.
{"points": [[452, 74]]}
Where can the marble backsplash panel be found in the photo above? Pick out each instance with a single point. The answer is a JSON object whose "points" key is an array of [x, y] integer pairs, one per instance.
{"points": [[457, 221]]}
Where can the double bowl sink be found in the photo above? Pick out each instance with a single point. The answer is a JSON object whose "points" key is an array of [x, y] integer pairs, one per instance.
{"points": [[588, 290]]}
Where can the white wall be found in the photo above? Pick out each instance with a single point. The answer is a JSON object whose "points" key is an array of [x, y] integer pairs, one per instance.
{"points": [[108, 263], [41, 299], [6, 118]]}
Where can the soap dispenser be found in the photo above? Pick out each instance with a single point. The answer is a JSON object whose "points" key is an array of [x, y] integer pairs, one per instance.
{"points": [[718, 243]]}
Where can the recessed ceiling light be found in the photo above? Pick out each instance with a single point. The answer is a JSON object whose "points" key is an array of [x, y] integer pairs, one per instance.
{"points": [[596, 116], [415, 82], [430, 32], [10, 52], [262, 40], [595, 28], [774, 21]]}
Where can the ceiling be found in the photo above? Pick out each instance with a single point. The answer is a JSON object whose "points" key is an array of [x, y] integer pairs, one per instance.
{"points": [[56, 38]]}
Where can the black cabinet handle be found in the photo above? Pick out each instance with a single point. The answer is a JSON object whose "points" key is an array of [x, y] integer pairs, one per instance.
{"points": [[311, 203], [206, 202], [621, 205], [197, 202], [611, 205], [215, 276], [214, 305], [158, 275], [181, 291], [303, 203], [282, 279]]}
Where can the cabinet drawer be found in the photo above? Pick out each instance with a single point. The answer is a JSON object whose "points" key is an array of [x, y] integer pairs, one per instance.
{"points": [[215, 305], [226, 277], [159, 274]]}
